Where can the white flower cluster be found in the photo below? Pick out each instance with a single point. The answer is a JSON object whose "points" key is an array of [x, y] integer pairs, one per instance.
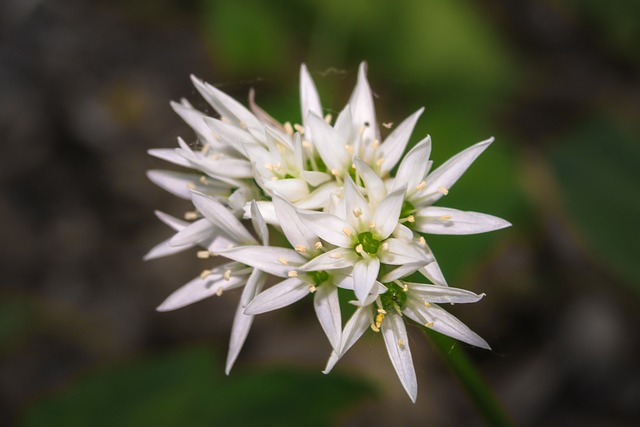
{"points": [[342, 220]]}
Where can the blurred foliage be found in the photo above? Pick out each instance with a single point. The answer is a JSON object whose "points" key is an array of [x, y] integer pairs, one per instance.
{"points": [[597, 168], [188, 388]]}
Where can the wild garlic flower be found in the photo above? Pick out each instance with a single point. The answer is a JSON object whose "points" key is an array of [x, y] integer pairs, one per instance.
{"points": [[339, 218]]}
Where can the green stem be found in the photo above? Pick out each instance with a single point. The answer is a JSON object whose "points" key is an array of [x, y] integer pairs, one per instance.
{"points": [[476, 387]]}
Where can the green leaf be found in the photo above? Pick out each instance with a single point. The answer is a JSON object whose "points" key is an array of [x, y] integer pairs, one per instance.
{"points": [[189, 389]]}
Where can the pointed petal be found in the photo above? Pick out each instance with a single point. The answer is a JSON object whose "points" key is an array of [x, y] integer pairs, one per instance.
{"points": [[376, 190], [319, 197], [292, 189], [365, 273], [327, 306], [447, 174], [398, 252], [401, 271], [280, 295], [329, 227], [270, 259], [357, 325], [259, 224], [267, 210], [395, 144], [309, 99], [397, 343], [194, 119], [332, 260], [437, 220], [442, 294], [414, 165], [169, 155], [233, 136], [328, 143], [315, 178], [355, 202], [362, 107], [297, 233], [440, 320], [387, 213], [177, 183], [242, 322], [220, 216], [175, 223], [164, 249], [194, 233]]}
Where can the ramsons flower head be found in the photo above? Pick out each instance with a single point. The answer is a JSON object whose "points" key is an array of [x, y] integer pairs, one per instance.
{"points": [[285, 211]]}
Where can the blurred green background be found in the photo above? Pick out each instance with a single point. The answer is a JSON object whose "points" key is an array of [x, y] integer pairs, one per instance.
{"points": [[85, 92]]}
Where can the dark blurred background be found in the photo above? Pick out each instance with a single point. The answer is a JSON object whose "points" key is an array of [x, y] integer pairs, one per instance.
{"points": [[84, 92]]}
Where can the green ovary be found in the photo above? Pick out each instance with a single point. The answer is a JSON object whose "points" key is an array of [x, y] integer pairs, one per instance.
{"points": [[369, 243], [395, 296]]}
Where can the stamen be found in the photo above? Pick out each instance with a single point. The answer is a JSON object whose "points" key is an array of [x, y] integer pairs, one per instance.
{"points": [[372, 225], [190, 215], [411, 219], [421, 186], [203, 254], [299, 128], [219, 291], [445, 218], [300, 248], [429, 324], [382, 311], [283, 261], [379, 319], [348, 148], [318, 245], [443, 190], [328, 118], [375, 328], [359, 248], [335, 172], [347, 231], [306, 144], [288, 128], [268, 166], [227, 275], [422, 241], [203, 180], [380, 161], [205, 274], [427, 304], [336, 255], [400, 343], [312, 289], [357, 212], [205, 150], [385, 246], [375, 144], [191, 186], [277, 166], [215, 156], [292, 273]]}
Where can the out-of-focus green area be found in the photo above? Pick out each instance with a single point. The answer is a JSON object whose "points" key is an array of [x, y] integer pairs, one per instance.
{"points": [[556, 83]]}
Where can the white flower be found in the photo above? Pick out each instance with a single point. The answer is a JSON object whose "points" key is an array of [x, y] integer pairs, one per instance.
{"points": [[384, 313]]}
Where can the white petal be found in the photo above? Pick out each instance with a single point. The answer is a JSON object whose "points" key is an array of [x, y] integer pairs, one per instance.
{"points": [[357, 325], [332, 260], [164, 249], [354, 202], [194, 233], [376, 190], [270, 259], [328, 143], [365, 273], [297, 233], [319, 197], [441, 321], [447, 174], [397, 343], [387, 213], [395, 144], [280, 295], [194, 119], [442, 294], [169, 155], [175, 223], [315, 178], [414, 165], [437, 220], [327, 306], [220, 216], [309, 99], [362, 107], [199, 289], [267, 210], [433, 272], [231, 135], [177, 183], [329, 227], [259, 224], [242, 322], [292, 189], [226, 105], [398, 252], [401, 271]]}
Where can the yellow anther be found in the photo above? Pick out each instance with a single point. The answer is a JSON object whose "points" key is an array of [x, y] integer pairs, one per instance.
{"points": [[292, 273], [300, 248], [205, 150], [348, 148], [375, 328], [429, 324], [203, 254], [445, 218], [298, 128], [443, 190], [268, 166], [283, 261], [328, 118], [375, 144], [382, 310], [215, 156], [427, 304], [421, 186], [203, 180], [411, 219], [227, 275], [372, 225], [242, 125], [347, 231], [400, 343], [219, 291], [306, 144], [387, 125], [357, 212], [288, 128], [335, 172], [359, 248], [280, 147], [205, 274], [379, 319], [312, 289], [191, 215], [318, 245], [191, 186], [380, 161], [422, 241], [405, 287], [336, 255], [225, 119]]}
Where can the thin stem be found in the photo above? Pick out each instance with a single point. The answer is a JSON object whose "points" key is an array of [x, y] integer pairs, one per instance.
{"points": [[476, 387]]}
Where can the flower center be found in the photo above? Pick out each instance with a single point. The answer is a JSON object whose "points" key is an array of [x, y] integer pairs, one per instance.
{"points": [[369, 243], [394, 297], [319, 277]]}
